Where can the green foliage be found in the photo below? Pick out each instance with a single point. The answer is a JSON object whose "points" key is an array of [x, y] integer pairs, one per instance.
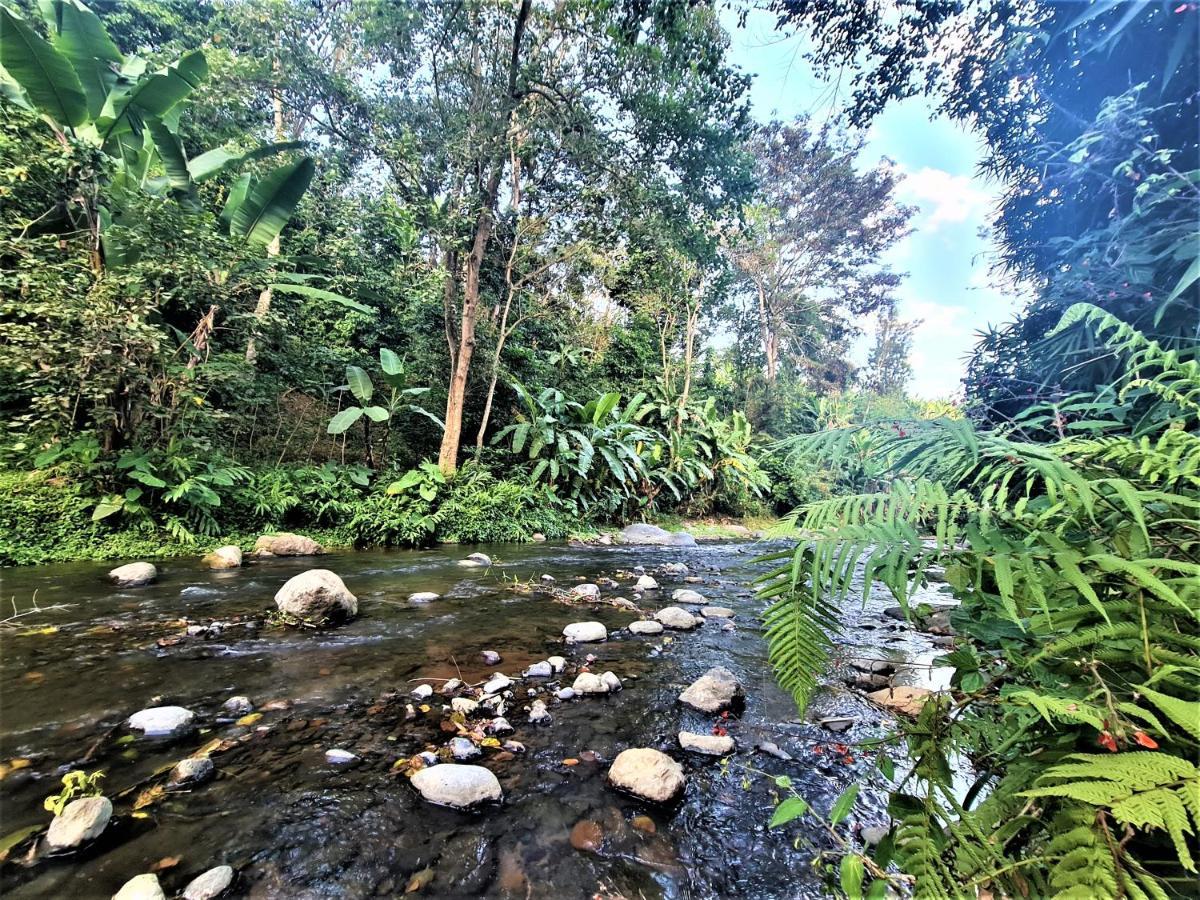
{"points": [[1076, 566], [75, 785]]}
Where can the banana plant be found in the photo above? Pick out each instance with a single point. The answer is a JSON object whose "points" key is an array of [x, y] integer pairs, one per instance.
{"points": [[88, 92], [398, 400]]}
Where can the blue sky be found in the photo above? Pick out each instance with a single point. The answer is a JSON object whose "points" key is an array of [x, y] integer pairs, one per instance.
{"points": [[948, 288]]}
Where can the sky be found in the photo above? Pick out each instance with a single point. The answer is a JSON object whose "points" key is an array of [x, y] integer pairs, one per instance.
{"points": [[948, 287]]}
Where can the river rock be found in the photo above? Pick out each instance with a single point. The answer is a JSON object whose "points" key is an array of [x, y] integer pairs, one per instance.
{"points": [[463, 749], [646, 626], [193, 770], [652, 534], [133, 574], [490, 657], [476, 561], [457, 786], [450, 686], [587, 836], [646, 583], [710, 744], [565, 693], [227, 557], [497, 683], [586, 591], [557, 663], [772, 749], [539, 670], [715, 690], [80, 821], [317, 595], [423, 597], [162, 721], [611, 681], [838, 723], [674, 617], [422, 691], [585, 632], [902, 699], [339, 757], [687, 595], [287, 544], [210, 885], [647, 773], [141, 887], [674, 569], [538, 714], [499, 726], [717, 612], [464, 705], [589, 683], [537, 537], [238, 706]]}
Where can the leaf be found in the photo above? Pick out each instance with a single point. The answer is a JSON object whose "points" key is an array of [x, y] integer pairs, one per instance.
{"points": [[377, 413], [155, 95], [45, 74], [407, 480], [790, 809], [343, 420], [106, 508], [77, 34], [212, 163], [260, 218], [389, 362], [170, 151], [851, 876], [360, 383], [237, 195], [843, 804], [319, 294]]}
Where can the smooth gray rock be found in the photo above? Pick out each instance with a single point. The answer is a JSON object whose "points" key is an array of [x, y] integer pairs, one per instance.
{"points": [[717, 612], [679, 619], [317, 595], [476, 561], [716, 690], [133, 574], [589, 683], [539, 670], [647, 773], [339, 757], [646, 626], [687, 595], [585, 632], [163, 721], [227, 557], [81, 821], [287, 544], [497, 683], [565, 693], [709, 744], [423, 597], [587, 591], [653, 535], [210, 885], [646, 583], [457, 786], [422, 691], [193, 770], [141, 887], [490, 657], [238, 706]]}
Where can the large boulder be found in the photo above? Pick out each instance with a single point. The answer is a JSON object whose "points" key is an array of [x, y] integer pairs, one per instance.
{"points": [[457, 785], [141, 887], [317, 596], [211, 884], [227, 557], [133, 574], [647, 773], [679, 619], [651, 534], [585, 632], [287, 544], [163, 721], [716, 690], [80, 821]]}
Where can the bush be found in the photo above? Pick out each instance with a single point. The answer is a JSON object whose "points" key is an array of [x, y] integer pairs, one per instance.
{"points": [[481, 509]]}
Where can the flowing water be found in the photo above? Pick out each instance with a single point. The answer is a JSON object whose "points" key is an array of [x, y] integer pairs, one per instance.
{"points": [[294, 826]]}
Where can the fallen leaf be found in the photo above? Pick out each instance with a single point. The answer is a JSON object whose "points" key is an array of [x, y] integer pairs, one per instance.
{"points": [[570, 762], [249, 719], [418, 881], [148, 796], [35, 632], [167, 862]]}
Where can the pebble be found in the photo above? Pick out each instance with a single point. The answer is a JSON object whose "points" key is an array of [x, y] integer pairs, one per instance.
{"points": [[644, 824], [565, 693], [424, 597], [646, 626], [456, 785], [141, 887], [772, 749], [451, 686], [838, 723], [238, 706], [539, 670], [422, 691], [586, 591], [587, 836], [429, 757], [513, 746], [497, 683], [499, 726], [163, 721], [464, 705], [211, 884], [490, 657], [339, 757], [549, 579], [557, 663]]}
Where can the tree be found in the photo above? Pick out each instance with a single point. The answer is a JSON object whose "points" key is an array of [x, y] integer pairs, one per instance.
{"points": [[888, 367]]}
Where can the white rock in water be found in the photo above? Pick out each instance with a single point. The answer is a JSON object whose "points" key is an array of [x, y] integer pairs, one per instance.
{"points": [[141, 887], [317, 595], [227, 557], [211, 884], [646, 626], [565, 693], [549, 579], [585, 632], [499, 726], [423, 597], [646, 583], [287, 544], [538, 714], [652, 534], [497, 683], [491, 657], [339, 757], [80, 821], [586, 591], [193, 770], [457, 786], [646, 773], [422, 691], [238, 706], [451, 686], [557, 663], [687, 595], [463, 749], [674, 617], [464, 705], [611, 681], [716, 690], [133, 574], [476, 561], [674, 569], [589, 683], [717, 612], [711, 744], [162, 721], [539, 670]]}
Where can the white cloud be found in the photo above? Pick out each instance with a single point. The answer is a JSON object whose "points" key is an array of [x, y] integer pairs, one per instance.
{"points": [[944, 198]]}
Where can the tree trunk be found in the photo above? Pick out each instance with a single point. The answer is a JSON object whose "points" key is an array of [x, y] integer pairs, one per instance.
{"points": [[770, 342]]}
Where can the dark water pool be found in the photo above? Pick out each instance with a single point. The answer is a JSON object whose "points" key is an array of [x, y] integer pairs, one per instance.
{"points": [[294, 826]]}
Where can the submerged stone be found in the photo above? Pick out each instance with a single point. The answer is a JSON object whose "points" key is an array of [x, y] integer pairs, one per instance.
{"points": [[457, 785], [162, 721], [80, 821], [211, 884], [141, 887], [647, 773], [716, 690]]}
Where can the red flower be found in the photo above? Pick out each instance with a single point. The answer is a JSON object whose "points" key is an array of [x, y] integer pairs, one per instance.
{"points": [[1145, 740], [1108, 742]]}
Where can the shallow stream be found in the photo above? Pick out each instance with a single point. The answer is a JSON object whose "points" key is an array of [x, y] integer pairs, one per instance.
{"points": [[294, 826]]}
